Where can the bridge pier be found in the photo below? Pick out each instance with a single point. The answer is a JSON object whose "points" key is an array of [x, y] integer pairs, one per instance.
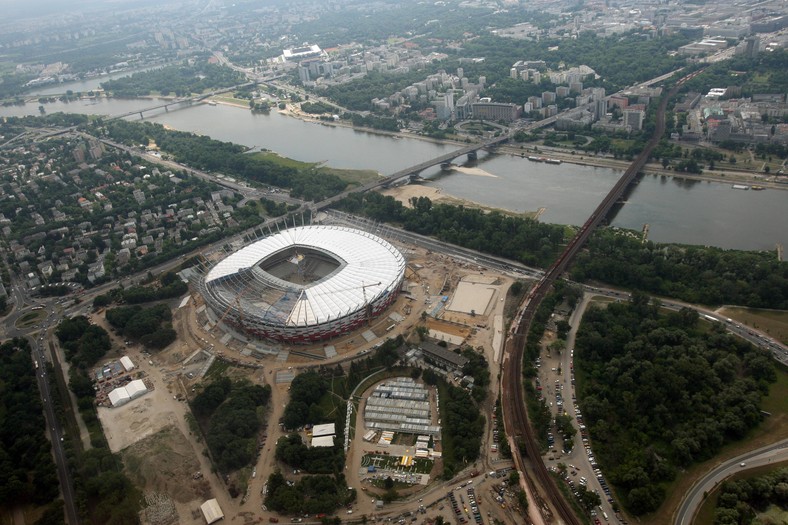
{"points": [[141, 117], [446, 166], [473, 155]]}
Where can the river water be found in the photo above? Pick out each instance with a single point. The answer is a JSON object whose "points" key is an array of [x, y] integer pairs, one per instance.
{"points": [[677, 210]]}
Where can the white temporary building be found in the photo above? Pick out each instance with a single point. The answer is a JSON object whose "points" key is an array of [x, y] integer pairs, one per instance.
{"points": [[136, 388], [211, 511], [328, 429], [119, 397], [127, 364], [323, 441]]}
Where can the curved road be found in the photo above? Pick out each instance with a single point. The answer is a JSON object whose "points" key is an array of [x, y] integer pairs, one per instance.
{"points": [[763, 456]]}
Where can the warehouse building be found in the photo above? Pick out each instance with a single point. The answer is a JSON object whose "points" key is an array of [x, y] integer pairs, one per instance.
{"points": [[400, 405]]}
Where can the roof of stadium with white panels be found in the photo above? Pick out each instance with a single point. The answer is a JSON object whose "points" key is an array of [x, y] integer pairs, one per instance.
{"points": [[361, 268]]}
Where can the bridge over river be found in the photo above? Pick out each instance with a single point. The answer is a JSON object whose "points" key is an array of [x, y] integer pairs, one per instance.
{"points": [[471, 151]]}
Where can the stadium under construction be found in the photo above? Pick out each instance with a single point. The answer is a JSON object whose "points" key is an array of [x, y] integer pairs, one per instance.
{"points": [[305, 284]]}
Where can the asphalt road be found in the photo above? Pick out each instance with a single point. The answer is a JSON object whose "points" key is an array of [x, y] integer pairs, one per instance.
{"points": [[37, 334], [756, 458]]}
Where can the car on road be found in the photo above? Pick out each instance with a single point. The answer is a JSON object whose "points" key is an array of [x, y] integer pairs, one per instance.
{"points": [[742, 464]]}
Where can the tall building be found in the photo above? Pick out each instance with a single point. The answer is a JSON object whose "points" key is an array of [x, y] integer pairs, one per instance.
{"points": [[303, 74], [633, 118]]}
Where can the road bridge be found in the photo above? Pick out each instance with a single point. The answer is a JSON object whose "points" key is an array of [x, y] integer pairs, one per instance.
{"points": [[443, 160], [178, 101]]}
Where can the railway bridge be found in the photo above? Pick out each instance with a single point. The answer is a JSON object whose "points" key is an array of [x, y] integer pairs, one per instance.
{"points": [[526, 450]]}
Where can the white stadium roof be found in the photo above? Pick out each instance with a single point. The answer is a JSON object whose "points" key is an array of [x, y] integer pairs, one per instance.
{"points": [[371, 268]]}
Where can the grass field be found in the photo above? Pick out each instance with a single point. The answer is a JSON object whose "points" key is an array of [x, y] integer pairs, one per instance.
{"points": [[772, 322], [231, 100], [706, 511]]}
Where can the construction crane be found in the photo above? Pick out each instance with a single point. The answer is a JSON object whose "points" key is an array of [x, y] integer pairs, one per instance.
{"points": [[237, 302]]}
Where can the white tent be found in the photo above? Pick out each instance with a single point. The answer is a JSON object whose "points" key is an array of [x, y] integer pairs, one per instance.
{"points": [[127, 364], [323, 441], [136, 388], [211, 511], [119, 397], [329, 429]]}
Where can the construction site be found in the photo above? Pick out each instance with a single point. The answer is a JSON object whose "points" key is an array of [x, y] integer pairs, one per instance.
{"points": [[452, 299]]}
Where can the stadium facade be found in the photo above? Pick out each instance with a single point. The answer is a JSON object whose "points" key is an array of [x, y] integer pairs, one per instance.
{"points": [[305, 284]]}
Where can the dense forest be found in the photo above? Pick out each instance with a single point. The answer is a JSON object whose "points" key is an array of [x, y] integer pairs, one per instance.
{"points": [[207, 154], [292, 451], [660, 392], [310, 494], [84, 344], [181, 80], [740, 502], [521, 239], [232, 432], [150, 326], [305, 393], [27, 472], [695, 274], [621, 60]]}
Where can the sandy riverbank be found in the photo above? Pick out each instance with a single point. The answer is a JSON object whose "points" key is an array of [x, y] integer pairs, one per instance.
{"points": [[405, 193]]}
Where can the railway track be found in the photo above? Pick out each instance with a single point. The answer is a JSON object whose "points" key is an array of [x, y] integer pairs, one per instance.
{"points": [[514, 408]]}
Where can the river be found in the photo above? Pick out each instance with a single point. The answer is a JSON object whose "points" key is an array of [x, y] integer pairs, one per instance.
{"points": [[677, 210]]}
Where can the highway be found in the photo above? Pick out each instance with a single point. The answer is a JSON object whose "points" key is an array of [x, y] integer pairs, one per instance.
{"points": [[36, 334], [774, 453]]}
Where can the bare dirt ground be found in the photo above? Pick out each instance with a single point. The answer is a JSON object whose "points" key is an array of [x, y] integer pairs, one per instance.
{"points": [[165, 462]]}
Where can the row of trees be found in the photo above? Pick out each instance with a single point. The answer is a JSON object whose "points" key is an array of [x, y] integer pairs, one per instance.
{"points": [[660, 392], [462, 425], [231, 416], [27, 472], [695, 274], [479, 370], [169, 285], [180, 80], [150, 326], [208, 154], [522, 239]]}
